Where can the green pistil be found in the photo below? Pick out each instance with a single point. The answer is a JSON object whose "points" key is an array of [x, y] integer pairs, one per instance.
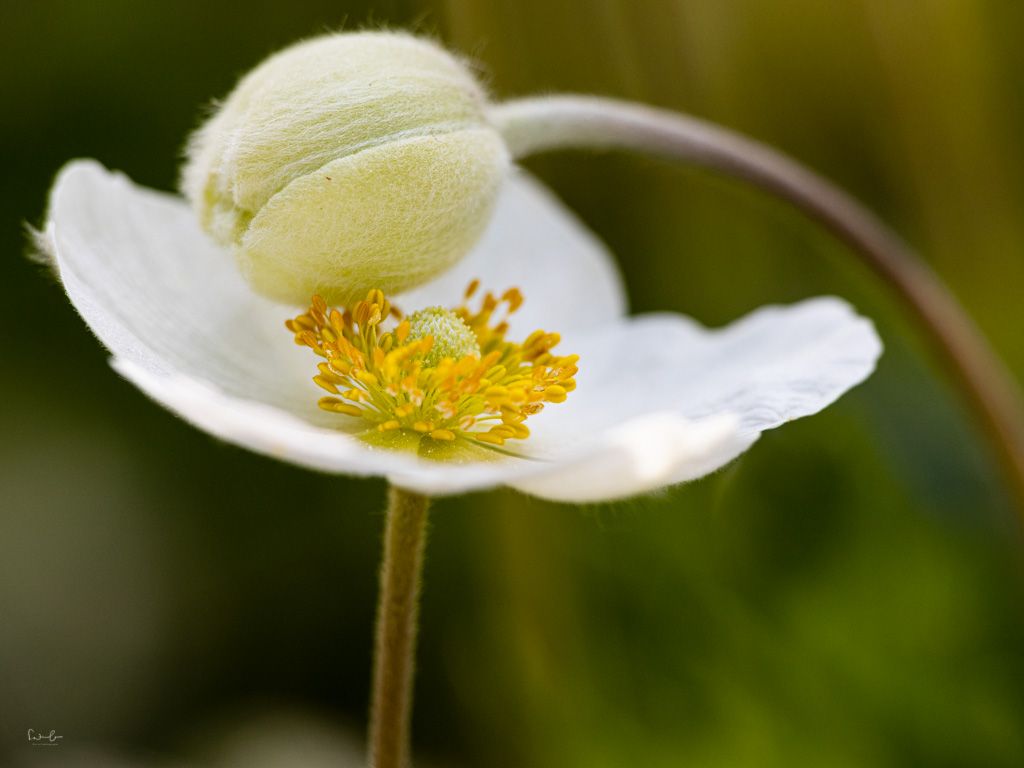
{"points": [[452, 337]]}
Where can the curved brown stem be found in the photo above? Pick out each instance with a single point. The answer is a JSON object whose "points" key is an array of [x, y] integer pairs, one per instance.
{"points": [[568, 122]]}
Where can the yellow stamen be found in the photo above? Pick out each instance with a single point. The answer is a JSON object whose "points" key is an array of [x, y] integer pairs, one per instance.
{"points": [[335, 405], [555, 394], [480, 392], [324, 383]]}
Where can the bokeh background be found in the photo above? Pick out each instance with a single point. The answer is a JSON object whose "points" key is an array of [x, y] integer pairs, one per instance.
{"points": [[847, 594]]}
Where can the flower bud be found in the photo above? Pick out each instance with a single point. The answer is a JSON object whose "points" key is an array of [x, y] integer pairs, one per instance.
{"points": [[345, 163]]}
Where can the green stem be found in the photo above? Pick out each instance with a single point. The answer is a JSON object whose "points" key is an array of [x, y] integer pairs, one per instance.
{"points": [[567, 122], [401, 577]]}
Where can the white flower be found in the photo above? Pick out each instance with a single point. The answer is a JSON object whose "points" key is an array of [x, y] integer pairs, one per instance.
{"points": [[659, 399]]}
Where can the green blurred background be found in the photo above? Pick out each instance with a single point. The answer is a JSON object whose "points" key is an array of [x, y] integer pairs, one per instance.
{"points": [[847, 594]]}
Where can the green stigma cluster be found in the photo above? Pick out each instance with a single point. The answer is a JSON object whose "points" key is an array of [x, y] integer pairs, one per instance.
{"points": [[453, 339]]}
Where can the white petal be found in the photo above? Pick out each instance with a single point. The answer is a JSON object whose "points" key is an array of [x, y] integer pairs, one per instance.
{"points": [[567, 276], [780, 363], [775, 365], [157, 292], [640, 455]]}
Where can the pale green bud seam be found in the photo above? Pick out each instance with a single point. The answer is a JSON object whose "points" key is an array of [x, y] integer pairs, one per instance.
{"points": [[346, 163]]}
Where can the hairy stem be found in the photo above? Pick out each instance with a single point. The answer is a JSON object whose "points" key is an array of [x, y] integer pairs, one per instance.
{"points": [[568, 122], [397, 612]]}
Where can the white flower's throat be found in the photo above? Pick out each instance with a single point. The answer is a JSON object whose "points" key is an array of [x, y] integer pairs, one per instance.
{"points": [[440, 375]]}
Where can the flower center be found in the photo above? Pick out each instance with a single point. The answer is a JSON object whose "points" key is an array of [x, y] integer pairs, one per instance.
{"points": [[440, 374], [452, 337]]}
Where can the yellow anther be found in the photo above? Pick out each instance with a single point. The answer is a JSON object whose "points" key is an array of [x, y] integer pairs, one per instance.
{"points": [[339, 366], [337, 321], [471, 289], [330, 375], [489, 437], [566, 371], [336, 406], [360, 312], [509, 416], [366, 378], [518, 395], [443, 434], [387, 426], [423, 426], [532, 339], [514, 297], [324, 383], [554, 394]]}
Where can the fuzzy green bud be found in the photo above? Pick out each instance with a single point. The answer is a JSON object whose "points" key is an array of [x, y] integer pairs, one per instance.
{"points": [[345, 163]]}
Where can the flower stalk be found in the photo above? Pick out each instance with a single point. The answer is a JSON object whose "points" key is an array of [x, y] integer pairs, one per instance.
{"points": [[401, 578], [543, 124]]}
